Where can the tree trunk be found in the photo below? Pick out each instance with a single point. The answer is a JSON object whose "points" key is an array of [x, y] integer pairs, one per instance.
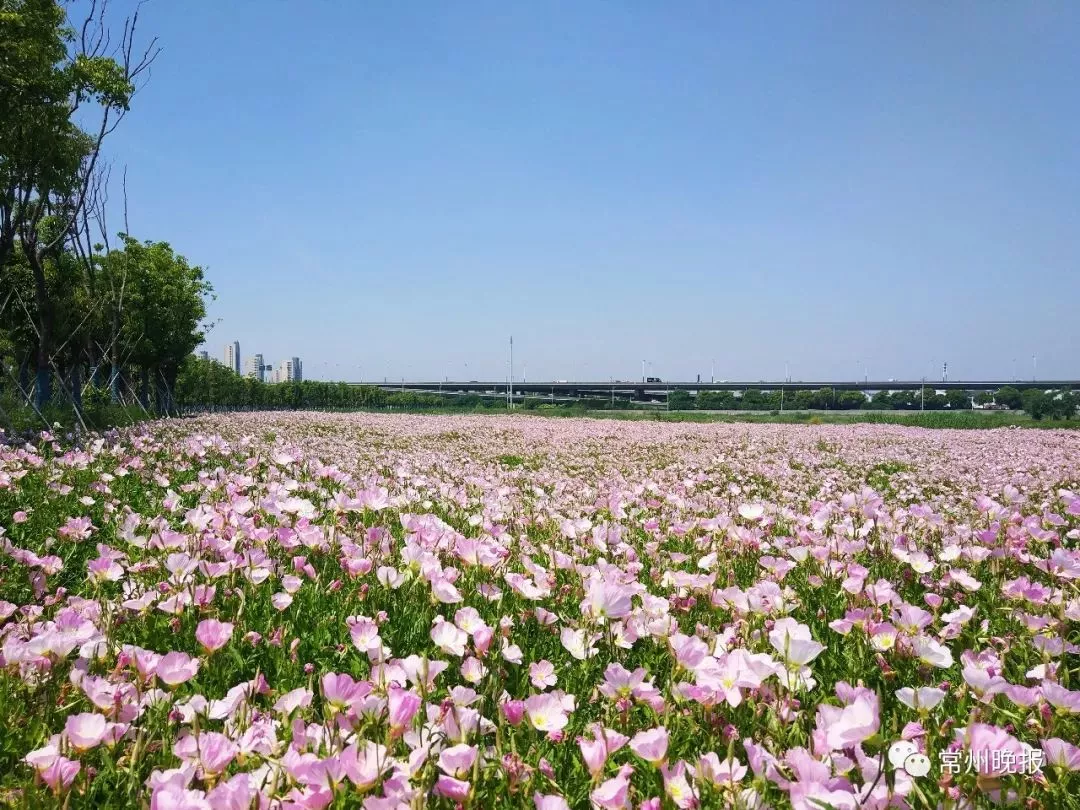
{"points": [[160, 403], [24, 377], [114, 387], [76, 386], [169, 374], [43, 392], [144, 387], [94, 358]]}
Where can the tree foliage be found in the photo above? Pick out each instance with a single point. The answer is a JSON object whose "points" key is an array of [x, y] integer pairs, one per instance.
{"points": [[68, 304]]}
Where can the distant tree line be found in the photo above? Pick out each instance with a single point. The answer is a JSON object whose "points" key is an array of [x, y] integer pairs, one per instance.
{"points": [[208, 385], [1039, 404]]}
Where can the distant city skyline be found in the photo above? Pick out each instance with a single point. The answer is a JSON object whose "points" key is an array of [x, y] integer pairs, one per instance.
{"points": [[1019, 369], [255, 367], [289, 369], [232, 356]]}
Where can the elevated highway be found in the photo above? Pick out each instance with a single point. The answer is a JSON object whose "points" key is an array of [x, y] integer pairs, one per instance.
{"points": [[646, 391]]}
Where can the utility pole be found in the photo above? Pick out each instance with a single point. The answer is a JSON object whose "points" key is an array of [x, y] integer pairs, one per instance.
{"points": [[510, 401], [922, 395]]}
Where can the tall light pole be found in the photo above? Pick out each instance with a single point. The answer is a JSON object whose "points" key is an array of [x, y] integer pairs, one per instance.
{"points": [[643, 371], [511, 389], [712, 374]]}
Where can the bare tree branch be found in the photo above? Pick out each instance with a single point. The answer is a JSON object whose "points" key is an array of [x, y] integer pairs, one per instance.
{"points": [[127, 227]]}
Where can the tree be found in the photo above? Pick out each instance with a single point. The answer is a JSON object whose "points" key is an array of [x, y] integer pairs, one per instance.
{"points": [[958, 400], [680, 401], [880, 401], [165, 309], [1010, 397], [46, 160], [1036, 403], [716, 401], [752, 400], [851, 400]]}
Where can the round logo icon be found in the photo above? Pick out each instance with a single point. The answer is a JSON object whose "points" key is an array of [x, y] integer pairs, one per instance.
{"points": [[918, 764], [899, 751]]}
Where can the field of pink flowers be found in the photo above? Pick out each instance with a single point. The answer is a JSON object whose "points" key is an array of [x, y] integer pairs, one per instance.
{"points": [[311, 610]]}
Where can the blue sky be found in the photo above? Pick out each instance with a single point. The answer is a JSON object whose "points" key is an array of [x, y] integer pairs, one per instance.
{"points": [[392, 189]]}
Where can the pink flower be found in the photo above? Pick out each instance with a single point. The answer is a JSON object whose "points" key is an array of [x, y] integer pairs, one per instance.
{"points": [[341, 690], [986, 744], [605, 600], [457, 760], [237, 793], [364, 766], [176, 668], [546, 712], [84, 731], [403, 705], [596, 751], [212, 750], [60, 773], [711, 769], [213, 635], [365, 636], [19, 517], [793, 641], [171, 797], [290, 701], [76, 528], [513, 711], [281, 600], [448, 637], [104, 569], [651, 745], [614, 794], [542, 674], [549, 802], [846, 727], [752, 511], [1061, 754], [451, 788], [677, 787]]}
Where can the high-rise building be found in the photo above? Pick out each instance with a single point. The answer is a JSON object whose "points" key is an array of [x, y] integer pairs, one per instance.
{"points": [[291, 370], [232, 355], [254, 368]]}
